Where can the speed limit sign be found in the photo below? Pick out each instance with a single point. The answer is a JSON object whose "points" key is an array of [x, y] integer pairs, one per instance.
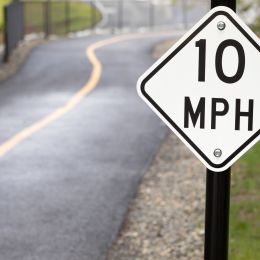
{"points": [[206, 88]]}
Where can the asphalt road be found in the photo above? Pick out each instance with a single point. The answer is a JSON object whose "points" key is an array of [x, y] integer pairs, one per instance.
{"points": [[65, 190]]}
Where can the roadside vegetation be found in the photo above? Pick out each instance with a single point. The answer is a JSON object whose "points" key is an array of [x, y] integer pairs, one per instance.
{"points": [[80, 16], [245, 207], [252, 7], [2, 4], [245, 191], [63, 17]]}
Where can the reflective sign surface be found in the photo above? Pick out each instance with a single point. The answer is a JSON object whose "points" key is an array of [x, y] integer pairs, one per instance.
{"points": [[206, 88]]}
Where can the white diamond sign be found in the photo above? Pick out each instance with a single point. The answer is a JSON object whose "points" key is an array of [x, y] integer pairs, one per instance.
{"points": [[206, 88]]}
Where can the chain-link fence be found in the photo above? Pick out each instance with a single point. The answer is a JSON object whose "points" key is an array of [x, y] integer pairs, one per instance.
{"points": [[45, 17], [60, 17], [141, 14]]}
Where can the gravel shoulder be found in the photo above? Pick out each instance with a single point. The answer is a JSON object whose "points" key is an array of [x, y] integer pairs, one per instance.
{"points": [[166, 218]]}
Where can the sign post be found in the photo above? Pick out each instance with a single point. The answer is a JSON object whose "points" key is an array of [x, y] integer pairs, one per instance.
{"points": [[217, 198], [217, 215], [205, 89]]}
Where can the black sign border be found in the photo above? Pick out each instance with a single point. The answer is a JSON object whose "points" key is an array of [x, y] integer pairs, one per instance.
{"points": [[165, 61]]}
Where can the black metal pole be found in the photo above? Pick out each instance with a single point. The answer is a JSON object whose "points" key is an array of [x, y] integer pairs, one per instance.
{"points": [[229, 3], [217, 215], [217, 198]]}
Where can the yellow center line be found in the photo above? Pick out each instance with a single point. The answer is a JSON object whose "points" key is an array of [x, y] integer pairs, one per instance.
{"points": [[77, 97]]}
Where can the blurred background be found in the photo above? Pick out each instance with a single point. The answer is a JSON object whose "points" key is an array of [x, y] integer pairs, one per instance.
{"points": [[45, 18], [26, 19], [65, 193]]}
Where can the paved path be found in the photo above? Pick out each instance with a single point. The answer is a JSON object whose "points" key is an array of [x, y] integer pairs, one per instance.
{"points": [[65, 190]]}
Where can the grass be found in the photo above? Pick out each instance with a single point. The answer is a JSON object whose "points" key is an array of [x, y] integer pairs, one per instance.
{"points": [[245, 207], [2, 4], [80, 16]]}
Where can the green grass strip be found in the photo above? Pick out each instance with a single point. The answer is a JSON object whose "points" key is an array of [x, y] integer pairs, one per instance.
{"points": [[245, 207]]}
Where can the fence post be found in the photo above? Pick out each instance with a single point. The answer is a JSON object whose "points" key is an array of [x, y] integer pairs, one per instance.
{"points": [[23, 30], [151, 14], [120, 14], [93, 15], [14, 27], [67, 16], [7, 48], [185, 14], [47, 19], [20, 9]]}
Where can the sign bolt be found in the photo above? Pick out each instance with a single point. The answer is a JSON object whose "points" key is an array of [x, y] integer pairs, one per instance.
{"points": [[217, 152], [221, 25]]}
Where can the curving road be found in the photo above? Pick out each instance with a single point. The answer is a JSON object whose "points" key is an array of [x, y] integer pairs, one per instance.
{"points": [[65, 188], [70, 163]]}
